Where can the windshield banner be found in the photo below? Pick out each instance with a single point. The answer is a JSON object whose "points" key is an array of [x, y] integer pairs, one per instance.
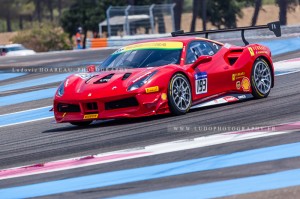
{"points": [[167, 45]]}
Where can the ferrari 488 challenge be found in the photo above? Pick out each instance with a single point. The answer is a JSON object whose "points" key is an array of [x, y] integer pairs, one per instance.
{"points": [[167, 75]]}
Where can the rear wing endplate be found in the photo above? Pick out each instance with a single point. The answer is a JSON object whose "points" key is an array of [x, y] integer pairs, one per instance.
{"points": [[273, 26]]}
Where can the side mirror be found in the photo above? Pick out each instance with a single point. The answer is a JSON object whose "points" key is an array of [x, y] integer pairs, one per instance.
{"points": [[202, 59], [91, 68]]}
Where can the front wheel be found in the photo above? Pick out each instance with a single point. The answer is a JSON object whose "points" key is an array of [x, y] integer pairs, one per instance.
{"points": [[179, 94], [261, 78], [86, 123]]}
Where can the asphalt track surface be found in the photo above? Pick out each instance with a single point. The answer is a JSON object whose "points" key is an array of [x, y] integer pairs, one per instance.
{"points": [[44, 141]]}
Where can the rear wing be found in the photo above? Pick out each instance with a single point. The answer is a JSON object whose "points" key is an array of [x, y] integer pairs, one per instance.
{"points": [[273, 26]]}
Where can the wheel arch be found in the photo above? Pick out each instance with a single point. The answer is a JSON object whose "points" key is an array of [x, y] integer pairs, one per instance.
{"points": [[271, 68], [184, 74], [173, 109]]}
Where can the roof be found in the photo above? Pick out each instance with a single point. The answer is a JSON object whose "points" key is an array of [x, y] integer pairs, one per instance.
{"points": [[10, 45]]}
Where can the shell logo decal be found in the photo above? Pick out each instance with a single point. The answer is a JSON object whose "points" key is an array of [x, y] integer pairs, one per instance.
{"points": [[246, 84]]}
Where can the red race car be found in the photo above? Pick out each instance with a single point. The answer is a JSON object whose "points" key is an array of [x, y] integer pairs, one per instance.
{"points": [[168, 75]]}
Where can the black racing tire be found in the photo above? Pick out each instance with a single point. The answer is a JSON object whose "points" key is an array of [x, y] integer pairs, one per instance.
{"points": [[179, 94], [261, 79], [86, 123]]}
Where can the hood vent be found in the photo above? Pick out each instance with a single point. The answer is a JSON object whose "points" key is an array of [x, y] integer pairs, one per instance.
{"points": [[125, 76], [104, 79]]}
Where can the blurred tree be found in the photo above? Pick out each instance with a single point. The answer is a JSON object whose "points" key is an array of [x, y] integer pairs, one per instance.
{"points": [[204, 14], [196, 4], [257, 7], [284, 7], [223, 13], [22, 11], [59, 6], [178, 12], [86, 14], [38, 10], [8, 11], [44, 37], [159, 14], [50, 7]]}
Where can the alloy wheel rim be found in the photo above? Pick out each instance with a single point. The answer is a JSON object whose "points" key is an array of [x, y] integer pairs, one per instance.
{"points": [[181, 93], [262, 77]]}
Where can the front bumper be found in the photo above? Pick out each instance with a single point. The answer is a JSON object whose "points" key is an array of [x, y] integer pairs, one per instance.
{"points": [[137, 105]]}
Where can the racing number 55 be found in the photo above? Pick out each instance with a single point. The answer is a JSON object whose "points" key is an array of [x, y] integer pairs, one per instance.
{"points": [[201, 86]]}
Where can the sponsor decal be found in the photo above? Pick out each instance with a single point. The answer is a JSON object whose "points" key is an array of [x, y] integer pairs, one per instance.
{"points": [[201, 82], [261, 52], [230, 99], [242, 97], [90, 116], [152, 45], [200, 75], [236, 76], [251, 51], [238, 85], [259, 48], [245, 84], [91, 68], [152, 89], [163, 96]]}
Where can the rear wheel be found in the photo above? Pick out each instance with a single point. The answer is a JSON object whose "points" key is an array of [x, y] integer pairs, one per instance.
{"points": [[86, 123], [261, 78], [179, 94]]}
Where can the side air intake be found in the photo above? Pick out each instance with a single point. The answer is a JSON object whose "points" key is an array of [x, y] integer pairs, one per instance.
{"points": [[234, 55]]}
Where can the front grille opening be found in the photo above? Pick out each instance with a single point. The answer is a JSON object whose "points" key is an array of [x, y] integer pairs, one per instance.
{"points": [[104, 79], [92, 106], [68, 108], [123, 103]]}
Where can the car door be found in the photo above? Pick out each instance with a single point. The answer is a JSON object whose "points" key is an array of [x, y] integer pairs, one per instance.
{"points": [[206, 76]]}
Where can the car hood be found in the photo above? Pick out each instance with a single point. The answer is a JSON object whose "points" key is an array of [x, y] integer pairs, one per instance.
{"points": [[108, 84]]}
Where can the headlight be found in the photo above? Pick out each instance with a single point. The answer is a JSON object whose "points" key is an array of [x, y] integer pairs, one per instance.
{"points": [[141, 82], [61, 89]]}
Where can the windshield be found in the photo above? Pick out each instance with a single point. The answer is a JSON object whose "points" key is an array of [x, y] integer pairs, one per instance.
{"points": [[151, 54], [15, 48]]}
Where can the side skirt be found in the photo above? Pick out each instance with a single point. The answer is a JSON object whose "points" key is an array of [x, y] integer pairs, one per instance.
{"points": [[224, 99]]}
